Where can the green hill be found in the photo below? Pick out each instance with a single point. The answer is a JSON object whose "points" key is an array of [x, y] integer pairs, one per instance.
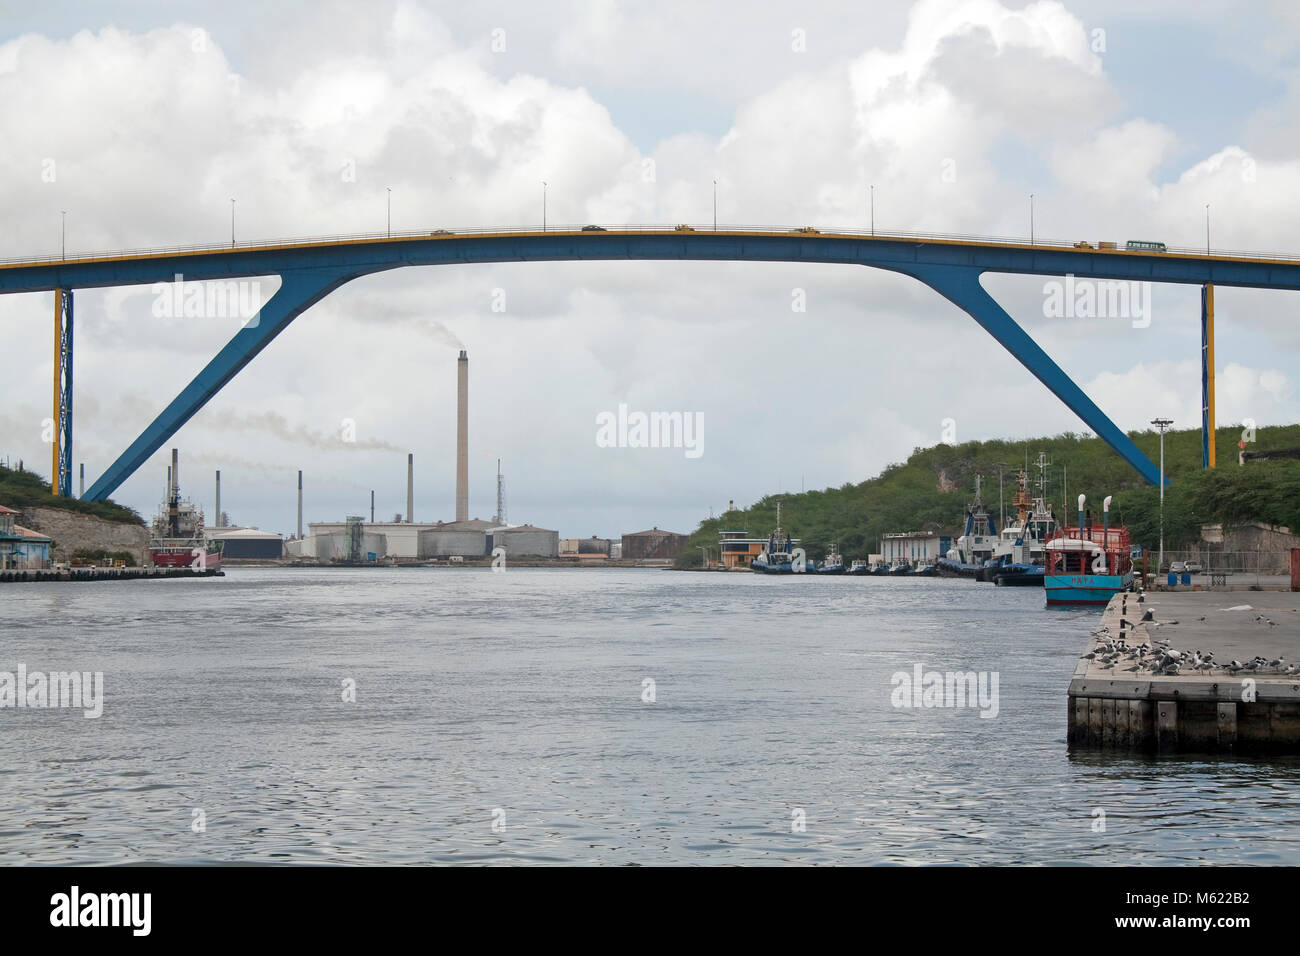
{"points": [[24, 489], [930, 491]]}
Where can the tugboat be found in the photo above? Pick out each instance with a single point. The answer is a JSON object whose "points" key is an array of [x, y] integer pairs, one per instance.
{"points": [[777, 557], [1084, 567], [859, 567], [176, 537], [833, 564], [1019, 558], [976, 543]]}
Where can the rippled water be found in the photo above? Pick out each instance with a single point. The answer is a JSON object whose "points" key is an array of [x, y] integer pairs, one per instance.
{"points": [[518, 698]]}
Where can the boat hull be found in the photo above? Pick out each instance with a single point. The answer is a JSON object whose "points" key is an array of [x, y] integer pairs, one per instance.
{"points": [[1085, 589], [184, 559]]}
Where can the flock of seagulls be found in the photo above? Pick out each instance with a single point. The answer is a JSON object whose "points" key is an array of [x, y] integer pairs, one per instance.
{"points": [[1113, 652]]}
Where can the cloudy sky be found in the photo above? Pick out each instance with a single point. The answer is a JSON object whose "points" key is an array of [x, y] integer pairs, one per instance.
{"points": [[144, 120]]}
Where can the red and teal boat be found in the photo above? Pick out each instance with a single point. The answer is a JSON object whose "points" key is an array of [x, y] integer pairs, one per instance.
{"points": [[1086, 564]]}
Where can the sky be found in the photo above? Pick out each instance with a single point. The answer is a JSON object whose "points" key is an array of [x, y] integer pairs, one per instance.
{"points": [[135, 125]]}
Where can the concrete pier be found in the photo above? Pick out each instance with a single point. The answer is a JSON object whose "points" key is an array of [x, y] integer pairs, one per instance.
{"points": [[104, 574], [1133, 691]]}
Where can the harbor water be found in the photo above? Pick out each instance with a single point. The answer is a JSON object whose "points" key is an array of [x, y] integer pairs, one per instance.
{"points": [[586, 716]]}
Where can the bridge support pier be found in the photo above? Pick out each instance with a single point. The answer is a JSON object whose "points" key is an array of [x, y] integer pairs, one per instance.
{"points": [[61, 443], [1207, 376], [961, 286]]}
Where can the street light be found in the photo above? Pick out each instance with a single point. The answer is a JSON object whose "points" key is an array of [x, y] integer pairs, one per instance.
{"points": [[232, 222], [543, 205], [390, 211], [1031, 219], [873, 209], [1207, 228], [63, 235], [1162, 424], [715, 205], [1002, 511]]}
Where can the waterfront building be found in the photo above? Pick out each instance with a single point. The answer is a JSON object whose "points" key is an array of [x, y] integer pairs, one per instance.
{"points": [[21, 548]]}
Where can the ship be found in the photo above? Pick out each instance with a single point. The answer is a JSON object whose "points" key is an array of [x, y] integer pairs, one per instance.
{"points": [[1087, 565], [777, 556], [975, 545], [176, 538], [1020, 556], [859, 567], [834, 562]]}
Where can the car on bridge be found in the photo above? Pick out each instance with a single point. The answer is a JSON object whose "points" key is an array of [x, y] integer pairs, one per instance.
{"points": [[594, 229], [684, 228], [1083, 244], [1145, 245], [442, 232], [807, 231]]}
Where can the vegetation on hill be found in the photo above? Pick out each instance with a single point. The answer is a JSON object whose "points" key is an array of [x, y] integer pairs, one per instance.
{"points": [[20, 489], [930, 491]]}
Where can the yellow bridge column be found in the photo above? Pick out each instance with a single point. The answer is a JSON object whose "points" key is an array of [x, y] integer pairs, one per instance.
{"points": [[56, 412]]}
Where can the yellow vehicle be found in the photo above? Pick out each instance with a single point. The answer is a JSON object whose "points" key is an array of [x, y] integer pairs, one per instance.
{"points": [[807, 231], [1083, 245], [683, 228]]}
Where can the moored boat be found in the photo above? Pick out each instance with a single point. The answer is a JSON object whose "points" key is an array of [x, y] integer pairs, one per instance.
{"points": [[833, 563], [777, 556], [177, 538], [1086, 565]]}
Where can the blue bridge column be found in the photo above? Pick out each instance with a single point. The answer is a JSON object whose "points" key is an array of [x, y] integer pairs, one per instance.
{"points": [[298, 291], [961, 286]]}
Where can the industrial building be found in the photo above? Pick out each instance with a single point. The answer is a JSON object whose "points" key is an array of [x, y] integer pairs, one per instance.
{"points": [[912, 546], [526, 541], [653, 545], [21, 548], [585, 549], [247, 543], [446, 539], [401, 538], [737, 549]]}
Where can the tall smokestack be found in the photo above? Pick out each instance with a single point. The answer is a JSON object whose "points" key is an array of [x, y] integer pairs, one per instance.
{"points": [[462, 436], [217, 522], [372, 506], [176, 472], [410, 486], [299, 505]]}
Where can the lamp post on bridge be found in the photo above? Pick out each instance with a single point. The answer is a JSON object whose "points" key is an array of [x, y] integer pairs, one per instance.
{"points": [[63, 235], [1162, 424], [715, 205], [232, 222], [543, 205], [1207, 228], [390, 211], [873, 209], [1031, 219]]}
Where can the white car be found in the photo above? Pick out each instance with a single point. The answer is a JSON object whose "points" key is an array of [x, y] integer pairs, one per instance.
{"points": [[1178, 567], [1194, 568]]}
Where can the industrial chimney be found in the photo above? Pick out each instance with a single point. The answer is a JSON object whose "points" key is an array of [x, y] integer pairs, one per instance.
{"points": [[462, 436], [300, 505], [176, 473], [410, 486], [217, 522]]}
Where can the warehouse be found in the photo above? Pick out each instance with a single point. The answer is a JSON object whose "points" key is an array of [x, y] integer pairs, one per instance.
{"points": [[653, 545], [247, 543]]}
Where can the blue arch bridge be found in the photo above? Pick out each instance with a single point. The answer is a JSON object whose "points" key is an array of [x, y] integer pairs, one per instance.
{"points": [[311, 269]]}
